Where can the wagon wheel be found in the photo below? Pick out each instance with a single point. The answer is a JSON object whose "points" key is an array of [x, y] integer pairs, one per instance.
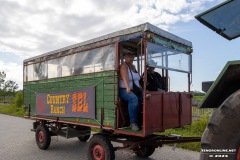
{"points": [[100, 148], [87, 133], [145, 151], [222, 131], [43, 137]]}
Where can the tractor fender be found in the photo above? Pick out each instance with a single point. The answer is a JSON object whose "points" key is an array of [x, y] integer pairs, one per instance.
{"points": [[227, 82]]}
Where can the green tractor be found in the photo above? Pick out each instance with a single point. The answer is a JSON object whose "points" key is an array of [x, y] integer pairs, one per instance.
{"points": [[221, 138]]}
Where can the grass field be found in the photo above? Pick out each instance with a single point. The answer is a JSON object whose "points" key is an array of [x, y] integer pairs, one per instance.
{"points": [[194, 130], [198, 97], [13, 106], [11, 109]]}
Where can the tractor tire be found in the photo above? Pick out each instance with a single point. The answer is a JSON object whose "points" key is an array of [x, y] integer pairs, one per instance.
{"points": [[223, 131], [87, 130], [43, 137], [100, 148], [145, 151]]}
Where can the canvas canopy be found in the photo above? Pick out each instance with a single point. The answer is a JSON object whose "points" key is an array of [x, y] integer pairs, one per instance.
{"points": [[122, 35]]}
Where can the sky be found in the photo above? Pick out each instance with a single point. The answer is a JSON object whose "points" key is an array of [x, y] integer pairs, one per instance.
{"points": [[33, 27]]}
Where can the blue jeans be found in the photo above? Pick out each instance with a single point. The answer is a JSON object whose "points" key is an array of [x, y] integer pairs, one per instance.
{"points": [[133, 103]]}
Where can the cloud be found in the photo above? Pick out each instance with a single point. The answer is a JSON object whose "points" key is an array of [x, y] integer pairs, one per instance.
{"points": [[29, 28], [40, 26], [13, 72]]}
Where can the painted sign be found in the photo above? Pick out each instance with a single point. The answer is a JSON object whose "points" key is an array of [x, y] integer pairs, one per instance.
{"points": [[79, 103]]}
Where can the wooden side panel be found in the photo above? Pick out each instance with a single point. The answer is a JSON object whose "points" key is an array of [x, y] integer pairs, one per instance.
{"points": [[166, 110], [171, 110], [106, 93], [153, 113], [186, 109]]}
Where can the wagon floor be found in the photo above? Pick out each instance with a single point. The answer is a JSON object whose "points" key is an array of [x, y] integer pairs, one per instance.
{"points": [[128, 129]]}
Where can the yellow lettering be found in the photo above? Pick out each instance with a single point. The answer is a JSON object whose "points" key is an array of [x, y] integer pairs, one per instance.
{"points": [[60, 97], [57, 100], [57, 109], [63, 97], [53, 99], [52, 109], [48, 99], [67, 96]]}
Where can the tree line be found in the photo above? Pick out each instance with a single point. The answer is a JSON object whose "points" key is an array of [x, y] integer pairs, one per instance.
{"points": [[7, 87]]}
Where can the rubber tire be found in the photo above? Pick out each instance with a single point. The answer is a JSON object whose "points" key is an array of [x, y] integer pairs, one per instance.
{"points": [[99, 139], [46, 137], [145, 151], [223, 129], [86, 137]]}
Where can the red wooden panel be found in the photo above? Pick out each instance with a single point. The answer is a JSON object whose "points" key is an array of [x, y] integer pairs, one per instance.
{"points": [[186, 105], [153, 114], [167, 110], [171, 110]]}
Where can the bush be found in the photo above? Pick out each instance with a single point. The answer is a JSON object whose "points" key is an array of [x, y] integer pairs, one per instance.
{"points": [[18, 102], [16, 108]]}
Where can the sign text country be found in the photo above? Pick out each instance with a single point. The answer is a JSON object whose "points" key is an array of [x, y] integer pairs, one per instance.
{"points": [[78, 103]]}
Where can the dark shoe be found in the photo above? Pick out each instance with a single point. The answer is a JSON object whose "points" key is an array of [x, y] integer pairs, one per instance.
{"points": [[134, 127]]}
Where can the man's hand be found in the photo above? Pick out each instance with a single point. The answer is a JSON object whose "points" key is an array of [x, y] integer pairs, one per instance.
{"points": [[161, 90]]}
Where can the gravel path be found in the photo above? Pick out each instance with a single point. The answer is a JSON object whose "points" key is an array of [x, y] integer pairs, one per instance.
{"points": [[17, 142]]}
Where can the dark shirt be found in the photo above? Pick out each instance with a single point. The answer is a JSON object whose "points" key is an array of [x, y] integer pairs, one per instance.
{"points": [[154, 81]]}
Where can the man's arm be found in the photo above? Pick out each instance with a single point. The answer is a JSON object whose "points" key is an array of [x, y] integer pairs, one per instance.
{"points": [[160, 80]]}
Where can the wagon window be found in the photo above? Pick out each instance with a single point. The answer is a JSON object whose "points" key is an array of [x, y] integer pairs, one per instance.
{"points": [[95, 60], [29, 73], [54, 68], [67, 65], [167, 58], [40, 71]]}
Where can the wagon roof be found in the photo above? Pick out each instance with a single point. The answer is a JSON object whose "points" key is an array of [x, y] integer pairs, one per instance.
{"points": [[119, 34]]}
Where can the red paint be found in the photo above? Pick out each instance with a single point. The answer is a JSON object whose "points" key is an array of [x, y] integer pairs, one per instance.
{"points": [[167, 110], [98, 152], [41, 137]]}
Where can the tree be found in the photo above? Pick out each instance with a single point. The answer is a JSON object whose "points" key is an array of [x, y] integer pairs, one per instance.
{"points": [[2, 78], [8, 87]]}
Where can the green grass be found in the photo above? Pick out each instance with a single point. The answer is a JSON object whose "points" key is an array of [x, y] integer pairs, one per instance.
{"points": [[194, 130], [14, 106], [11, 109], [198, 97]]}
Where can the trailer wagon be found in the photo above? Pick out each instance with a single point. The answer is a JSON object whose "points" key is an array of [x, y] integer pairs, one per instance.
{"points": [[73, 89]]}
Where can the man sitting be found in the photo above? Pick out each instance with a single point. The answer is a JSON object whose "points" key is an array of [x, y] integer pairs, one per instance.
{"points": [[154, 79]]}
